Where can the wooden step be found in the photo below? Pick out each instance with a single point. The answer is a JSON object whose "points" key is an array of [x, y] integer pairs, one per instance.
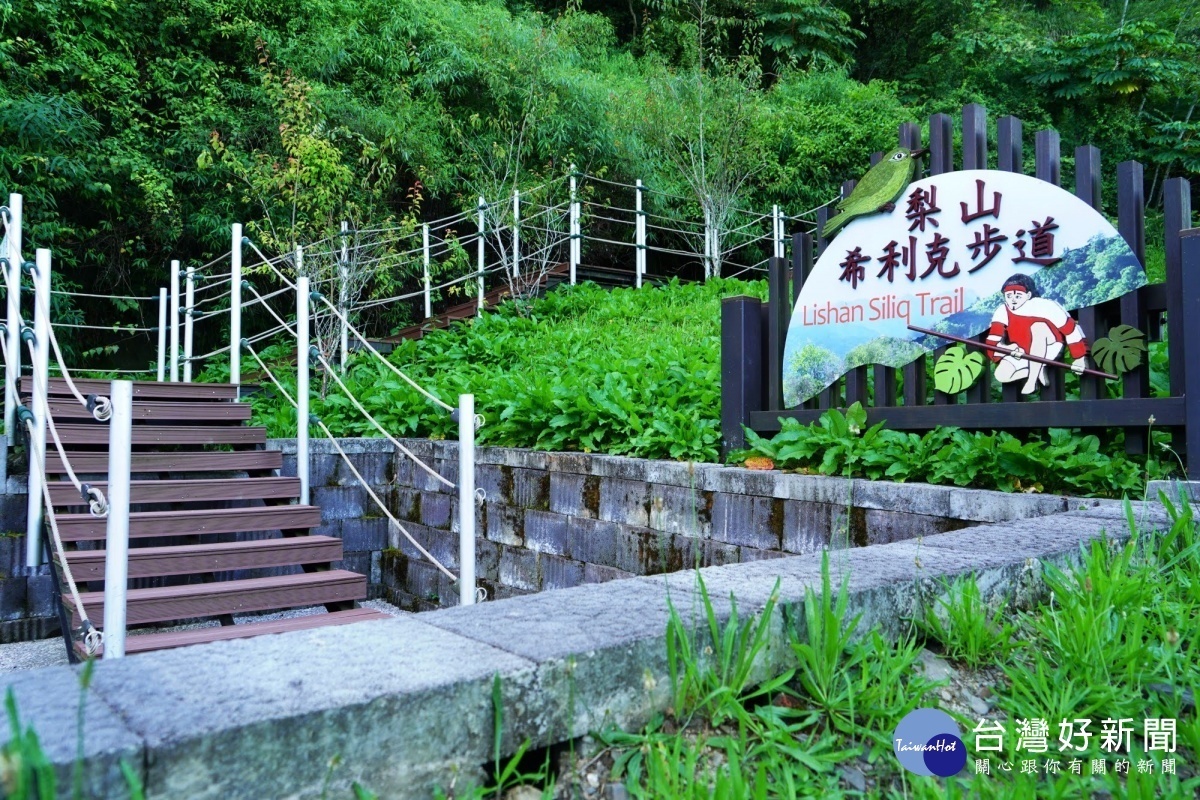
{"points": [[146, 642], [166, 435], [152, 562], [62, 493], [85, 527], [65, 409], [164, 603], [93, 463], [145, 390]]}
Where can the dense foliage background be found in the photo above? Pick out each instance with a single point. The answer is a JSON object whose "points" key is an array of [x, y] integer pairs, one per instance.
{"points": [[138, 131]]}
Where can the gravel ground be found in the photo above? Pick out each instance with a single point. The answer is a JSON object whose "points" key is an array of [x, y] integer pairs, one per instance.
{"points": [[53, 652]]}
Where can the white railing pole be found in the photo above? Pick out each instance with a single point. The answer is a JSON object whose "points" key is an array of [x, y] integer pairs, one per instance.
{"points": [[344, 296], [174, 321], [574, 249], [12, 369], [302, 383], [425, 266], [479, 251], [466, 499], [116, 540], [235, 308], [516, 256], [640, 228], [776, 232], [163, 302], [40, 378], [189, 296]]}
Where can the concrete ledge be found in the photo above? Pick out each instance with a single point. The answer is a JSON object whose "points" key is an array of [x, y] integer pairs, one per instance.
{"points": [[406, 703]]}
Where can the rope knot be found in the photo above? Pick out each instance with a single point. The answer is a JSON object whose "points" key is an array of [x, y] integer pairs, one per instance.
{"points": [[97, 503], [100, 408], [93, 639]]}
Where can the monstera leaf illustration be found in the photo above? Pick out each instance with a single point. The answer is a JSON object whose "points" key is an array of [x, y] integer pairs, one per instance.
{"points": [[1121, 351], [957, 369]]}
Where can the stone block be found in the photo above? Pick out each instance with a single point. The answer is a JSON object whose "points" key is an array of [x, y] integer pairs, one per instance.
{"points": [[1174, 490], [546, 532], [421, 479], [746, 554], [736, 480], [578, 463], [680, 509], [519, 569], [372, 466], [448, 469], [883, 527], [355, 562], [422, 580], [672, 473], [978, 505], [566, 494], [531, 489], [435, 510], [480, 517], [401, 470], [340, 502], [376, 577], [440, 544], [912, 498], [624, 501], [592, 541], [39, 595], [366, 533], [506, 524], [596, 573], [487, 559], [406, 504], [751, 521], [629, 469], [491, 478], [806, 526], [559, 572], [12, 598], [814, 489]]}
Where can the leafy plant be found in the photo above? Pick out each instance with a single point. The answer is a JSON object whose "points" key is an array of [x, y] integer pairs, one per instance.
{"points": [[957, 370], [967, 629], [1121, 351]]}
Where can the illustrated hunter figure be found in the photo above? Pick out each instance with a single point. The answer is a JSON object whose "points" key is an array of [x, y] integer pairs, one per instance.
{"points": [[1036, 326]]}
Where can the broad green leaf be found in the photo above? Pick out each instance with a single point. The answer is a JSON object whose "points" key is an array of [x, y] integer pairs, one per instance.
{"points": [[957, 370], [1121, 351]]}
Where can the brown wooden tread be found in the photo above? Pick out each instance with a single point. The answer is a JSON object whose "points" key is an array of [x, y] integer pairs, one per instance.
{"points": [[151, 562], [164, 603], [147, 642], [165, 434], [85, 527], [68, 408], [62, 493], [97, 463], [145, 390]]}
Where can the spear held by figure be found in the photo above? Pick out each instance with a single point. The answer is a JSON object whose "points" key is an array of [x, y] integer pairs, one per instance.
{"points": [[1007, 352]]}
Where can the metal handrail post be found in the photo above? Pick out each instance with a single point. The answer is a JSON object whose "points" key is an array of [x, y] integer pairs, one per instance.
{"points": [[174, 322], [116, 540], [235, 309], [12, 369], [640, 228], [574, 227], [163, 302], [344, 296], [425, 267], [302, 380], [479, 252], [189, 295], [41, 378], [466, 499]]}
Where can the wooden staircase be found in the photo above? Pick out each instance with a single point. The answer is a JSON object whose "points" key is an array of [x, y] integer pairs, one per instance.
{"points": [[208, 517]]}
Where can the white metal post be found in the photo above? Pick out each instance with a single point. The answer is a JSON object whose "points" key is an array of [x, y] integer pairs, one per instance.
{"points": [[12, 369], [163, 302], [116, 540], [344, 295], [640, 228], [174, 321], [574, 227], [479, 254], [189, 295], [41, 376], [302, 383], [466, 499], [235, 308], [516, 260], [425, 265]]}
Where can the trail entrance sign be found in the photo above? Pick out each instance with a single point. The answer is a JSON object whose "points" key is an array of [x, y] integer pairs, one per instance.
{"points": [[963, 254]]}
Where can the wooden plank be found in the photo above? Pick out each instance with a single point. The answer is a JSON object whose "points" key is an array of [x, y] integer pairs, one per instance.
{"points": [[1087, 189], [148, 642], [244, 461], [1177, 213], [149, 390], [164, 603], [1010, 148], [779, 308], [151, 562], [974, 136], [168, 434], [62, 409], [999, 416], [941, 144], [1048, 156], [85, 527], [1190, 308], [741, 367], [914, 372], [63, 493]]}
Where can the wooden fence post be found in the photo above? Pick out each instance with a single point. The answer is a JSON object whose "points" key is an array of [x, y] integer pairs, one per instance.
{"points": [[1190, 307], [741, 368]]}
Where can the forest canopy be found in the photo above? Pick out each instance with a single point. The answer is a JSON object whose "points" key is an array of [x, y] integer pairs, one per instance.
{"points": [[138, 131]]}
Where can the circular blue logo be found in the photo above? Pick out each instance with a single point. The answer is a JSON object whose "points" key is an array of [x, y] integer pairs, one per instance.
{"points": [[929, 742]]}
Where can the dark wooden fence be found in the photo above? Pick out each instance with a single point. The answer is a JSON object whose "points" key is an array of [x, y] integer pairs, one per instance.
{"points": [[753, 333]]}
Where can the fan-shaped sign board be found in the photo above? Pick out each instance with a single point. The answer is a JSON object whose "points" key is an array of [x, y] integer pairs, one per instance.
{"points": [[964, 253]]}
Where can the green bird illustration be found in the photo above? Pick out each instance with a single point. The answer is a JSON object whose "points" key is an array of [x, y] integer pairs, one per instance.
{"points": [[878, 189]]}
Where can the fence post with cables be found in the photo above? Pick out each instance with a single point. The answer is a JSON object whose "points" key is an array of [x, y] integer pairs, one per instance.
{"points": [[163, 302], [425, 270], [41, 376], [480, 248], [235, 308], [777, 229], [466, 499], [12, 367], [344, 295], [116, 540], [302, 379], [189, 295], [574, 249], [174, 321], [516, 234], [640, 234]]}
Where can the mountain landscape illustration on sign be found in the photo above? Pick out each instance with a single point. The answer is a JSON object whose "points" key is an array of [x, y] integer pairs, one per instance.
{"points": [[959, 255]]}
